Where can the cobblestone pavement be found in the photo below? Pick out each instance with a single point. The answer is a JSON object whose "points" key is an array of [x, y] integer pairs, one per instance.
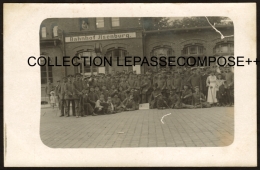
{"points": [[209, 127]]}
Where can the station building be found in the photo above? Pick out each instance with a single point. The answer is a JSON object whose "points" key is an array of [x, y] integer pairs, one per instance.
{"points": [[120, 37]]}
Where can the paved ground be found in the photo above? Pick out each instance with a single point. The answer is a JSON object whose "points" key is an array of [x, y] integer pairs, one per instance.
{"points": [[143, 128]]}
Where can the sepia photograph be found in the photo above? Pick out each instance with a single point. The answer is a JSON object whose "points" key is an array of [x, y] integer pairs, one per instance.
{"points": [[108, 93], [130, 85]]}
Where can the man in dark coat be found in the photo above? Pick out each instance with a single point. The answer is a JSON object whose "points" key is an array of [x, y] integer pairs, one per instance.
{"points": [[78, 94]]}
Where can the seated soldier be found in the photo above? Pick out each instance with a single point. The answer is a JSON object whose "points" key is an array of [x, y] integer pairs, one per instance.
{"points": [[129, 103], [154, 96], [121, 93], [118, 107], [97, 91], [112, 90], [87, 108], [93, 97], [199, 99], [105, 92], [101, 106], [135, 98], [174, 100], [161, 102], [110, 109], [186, 96]]}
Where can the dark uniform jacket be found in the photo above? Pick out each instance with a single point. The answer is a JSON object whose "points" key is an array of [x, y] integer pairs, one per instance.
{"points": [[78, 89], [197, 96], [68, 90]]}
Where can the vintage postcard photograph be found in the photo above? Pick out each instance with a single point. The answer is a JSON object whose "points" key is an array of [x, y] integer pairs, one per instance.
{"points": [[129, 85], [112, 94]]}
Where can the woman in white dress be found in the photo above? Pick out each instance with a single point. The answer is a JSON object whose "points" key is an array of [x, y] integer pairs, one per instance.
{"points": [[211, 83]]}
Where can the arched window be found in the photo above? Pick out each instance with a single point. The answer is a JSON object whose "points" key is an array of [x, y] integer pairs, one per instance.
{"points": [[193, 49], [43, 31], [225, 49], [54, 30], [87, 67], [162, 51], [118, 60]]}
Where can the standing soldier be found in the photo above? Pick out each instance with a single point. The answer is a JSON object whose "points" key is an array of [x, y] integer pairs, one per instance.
{"points": [[78, 94], [161, 82], [229, 77], [177, 82], [195, 79], [204, 77], [145, 85], [131, 81], [68, 95], [60, 90]]}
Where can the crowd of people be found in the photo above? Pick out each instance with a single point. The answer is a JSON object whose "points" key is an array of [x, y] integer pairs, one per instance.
{"points": [[182, 87]]}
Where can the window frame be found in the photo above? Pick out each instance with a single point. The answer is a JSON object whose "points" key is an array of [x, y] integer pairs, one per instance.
{"points": [[113, 22], [98, 24]]}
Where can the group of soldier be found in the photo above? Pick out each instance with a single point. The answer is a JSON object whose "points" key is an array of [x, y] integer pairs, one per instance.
{"points": [[183, 87]]}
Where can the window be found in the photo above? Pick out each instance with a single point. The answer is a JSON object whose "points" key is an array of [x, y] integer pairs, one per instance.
{"points": [[55, 31], [118, 58], [193, 49], [115, 22], [43, 32], [46, 73], [86, 68], [100, 22], [222, 47]]}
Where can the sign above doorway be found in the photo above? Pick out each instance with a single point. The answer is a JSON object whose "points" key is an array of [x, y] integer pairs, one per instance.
{"points": [[100, 37]]}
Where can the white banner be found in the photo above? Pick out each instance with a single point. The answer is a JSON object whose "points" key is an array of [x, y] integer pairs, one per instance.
{"points": [[101, 37]]}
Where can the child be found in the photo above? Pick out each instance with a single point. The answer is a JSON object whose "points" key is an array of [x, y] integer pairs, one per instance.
{"points": [[52, 99]]}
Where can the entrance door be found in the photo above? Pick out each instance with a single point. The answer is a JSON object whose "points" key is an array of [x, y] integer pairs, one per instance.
{"points": [[118, 60]]}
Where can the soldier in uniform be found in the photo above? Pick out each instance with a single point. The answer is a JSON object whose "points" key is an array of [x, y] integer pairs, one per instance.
{"points": [[131, 81], [129, 103], [177, 81], [101, 106], [186, 96], [117, 103], [204, 77], [154, 96], [78, 93], [88, 109], [199, 100], [229, 77], [92, 97], [69, 96], [60, 91], [105, 92], [161, 102], [169, 84], [174, 100], [195, 79], [145, 85]]}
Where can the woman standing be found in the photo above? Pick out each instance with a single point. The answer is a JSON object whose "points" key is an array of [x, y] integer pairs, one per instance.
{"points": [[211, 83]]}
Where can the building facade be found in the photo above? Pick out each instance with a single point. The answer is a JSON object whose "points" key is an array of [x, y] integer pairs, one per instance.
{"points": [[120, 37]]}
